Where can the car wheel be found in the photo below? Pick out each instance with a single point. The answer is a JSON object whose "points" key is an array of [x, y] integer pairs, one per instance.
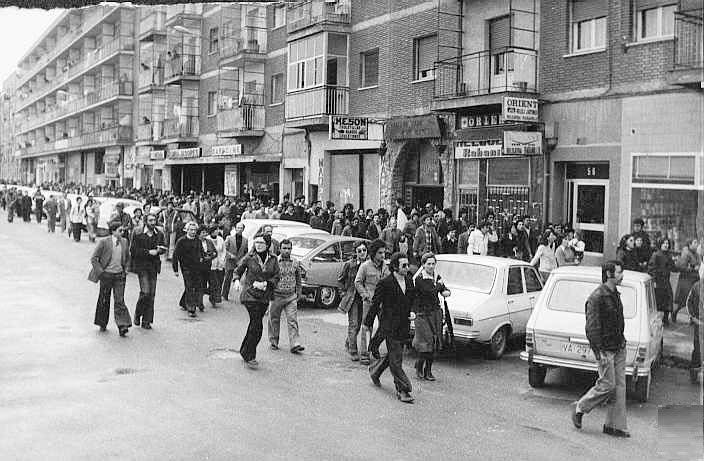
{"points": [[327, 298], [536, 375], [641, 390], [497, 345]]}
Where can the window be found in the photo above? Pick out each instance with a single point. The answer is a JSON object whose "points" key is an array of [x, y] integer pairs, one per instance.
{"points": [[589, 35], [329, 254], [532, 280], [83, 163], [571, 295], [515, 281], [213, 40], [99, 163], [305, 62], [279, 16], [277, 88], [212, 96], [655, 22], [469, 276], [369, 71], [424, 50]]}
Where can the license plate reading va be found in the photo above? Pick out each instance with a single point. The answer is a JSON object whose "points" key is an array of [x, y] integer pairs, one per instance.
{"points": [[581, 350]]}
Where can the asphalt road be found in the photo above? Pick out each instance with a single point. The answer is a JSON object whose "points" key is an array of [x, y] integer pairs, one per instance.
{"points": [[180, 391]]}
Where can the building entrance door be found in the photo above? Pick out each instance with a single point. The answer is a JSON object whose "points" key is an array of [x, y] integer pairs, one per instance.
{"points": [[428, 194], [587, 203]]}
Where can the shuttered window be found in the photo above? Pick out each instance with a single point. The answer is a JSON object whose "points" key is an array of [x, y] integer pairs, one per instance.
{"points": [[588, 19], [424, 51], [499, 33], [583, 10]]}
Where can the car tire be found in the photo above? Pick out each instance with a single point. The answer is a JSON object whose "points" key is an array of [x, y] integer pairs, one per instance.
{"points": [[497, 344], [327, 298], [536, 375], [641, 388]]}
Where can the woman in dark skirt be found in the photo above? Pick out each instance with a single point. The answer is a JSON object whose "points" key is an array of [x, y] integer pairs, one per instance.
{"points": [[659, 267], [688, 265], [428, 315]]}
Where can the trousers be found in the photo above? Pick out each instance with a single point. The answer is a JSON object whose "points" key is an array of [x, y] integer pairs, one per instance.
{"points": [[696, 361], [354, 323], [248, 349], [115, 284], [192, 296], [76, 231], [147, 290], [216, 277], [610, 388], [289, 306], [51, 222], [227, 283], [393, 360]]}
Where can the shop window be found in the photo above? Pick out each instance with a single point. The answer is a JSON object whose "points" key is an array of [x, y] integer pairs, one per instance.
{"points": [[588, 25], [213, 40], [667, 213], [369, 72], [655, 22], [663, 169], [424, 52], [99, 163]]}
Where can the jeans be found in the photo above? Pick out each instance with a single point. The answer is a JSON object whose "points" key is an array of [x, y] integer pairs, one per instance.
{"points": [[248, 349], [147, 290], [364, 331], [215, 286], [114, 283], [51, 223], [289, 305], [696, 354], [394, 361], [610, 388], [91, 225], [227, 283], [354, 323], [76, 231], [192, 296], [38, 215]]}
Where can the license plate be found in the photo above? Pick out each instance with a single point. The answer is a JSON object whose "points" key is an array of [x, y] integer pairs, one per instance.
{"points": [[582, 350]]}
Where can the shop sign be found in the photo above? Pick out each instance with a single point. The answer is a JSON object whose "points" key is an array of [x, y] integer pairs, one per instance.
{"points": [[157, 155], [587, 171], [231, 181], [229, 149], [111, 170], [424, 126], [192, 152], [342, 127], [484, 151], [475, 121], [525, 143], [520, 109]]}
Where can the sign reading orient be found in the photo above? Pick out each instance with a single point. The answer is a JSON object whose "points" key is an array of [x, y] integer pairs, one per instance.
{"points": [[520, 109]]}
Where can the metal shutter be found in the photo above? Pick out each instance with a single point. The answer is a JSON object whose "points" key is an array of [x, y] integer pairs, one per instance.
{"points": [[588, 9]]}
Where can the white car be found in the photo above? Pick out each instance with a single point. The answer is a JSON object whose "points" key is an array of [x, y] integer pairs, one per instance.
{"points": [[281, 229], [492, 298], [555, 334]]}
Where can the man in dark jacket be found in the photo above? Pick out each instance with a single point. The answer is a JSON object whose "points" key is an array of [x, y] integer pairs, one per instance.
{"points": [[236, 248], [392, 301], [147, 246], [188, 255], [604, 330]]}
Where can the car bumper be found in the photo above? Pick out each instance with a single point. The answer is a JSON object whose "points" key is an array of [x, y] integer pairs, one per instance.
{"points": [[576, 364], [308, 292]]}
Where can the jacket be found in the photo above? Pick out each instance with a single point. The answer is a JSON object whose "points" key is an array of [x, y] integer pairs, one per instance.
{"points": [[463, 243], [368, 275], [234, 254], [604, 320], [393, 307], [254, 270], [420, 245], [346, 279], [142, 261], [103, 254]]}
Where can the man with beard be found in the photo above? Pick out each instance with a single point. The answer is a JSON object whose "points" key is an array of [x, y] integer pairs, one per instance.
{"points": [[146, 248], [272, 245]]}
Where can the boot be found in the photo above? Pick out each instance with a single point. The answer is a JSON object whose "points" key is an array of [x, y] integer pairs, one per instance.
{"points": [[429, 370], [419, 369]]}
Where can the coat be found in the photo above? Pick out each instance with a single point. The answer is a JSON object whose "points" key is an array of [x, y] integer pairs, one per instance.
{"points": [[393, 307], [234, 254], [141, 259], [253, 270], [604, 322], [659, 267], [346, 279], [102, 256], [428, 323], [687, 264], [420, 245]]}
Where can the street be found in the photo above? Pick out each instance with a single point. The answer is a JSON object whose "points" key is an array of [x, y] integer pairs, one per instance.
{"points": [[180, 391]]}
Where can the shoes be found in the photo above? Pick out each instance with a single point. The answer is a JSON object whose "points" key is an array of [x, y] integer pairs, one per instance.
{"points": [[419, 369], [201, 308], [577, 417], [136, 321], [251, 364], [225, 298], [192, 314], [103, 328], [354, 357], [616, 432], [146, 325], [297, 349], [183, 308], [404, 397], [273, 347], [123, 331], [364, 361], [375, 380]]}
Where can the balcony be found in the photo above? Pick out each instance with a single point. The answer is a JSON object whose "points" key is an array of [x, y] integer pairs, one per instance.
{"points": [[91, 59], [150, 133], [181, 67], [245, 120], [251, 42], [152, 24], [183, 10], [150, 77], [313, 106], [181, 129], [317, 12], [482, 77], [76, 105], [101, 138], [688, 65]]}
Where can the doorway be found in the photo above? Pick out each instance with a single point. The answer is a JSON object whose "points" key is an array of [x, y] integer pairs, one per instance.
{"points": [[427, 194], [587, 207]]}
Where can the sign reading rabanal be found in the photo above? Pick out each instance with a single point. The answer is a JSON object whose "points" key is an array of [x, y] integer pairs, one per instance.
{"points": [[479, 151], [342, 127], [520, 109], [229, 149], [526, 143]]}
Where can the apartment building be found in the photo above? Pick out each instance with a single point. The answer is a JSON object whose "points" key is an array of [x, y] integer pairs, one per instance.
{"points": [[9, 158], [621, 87]]}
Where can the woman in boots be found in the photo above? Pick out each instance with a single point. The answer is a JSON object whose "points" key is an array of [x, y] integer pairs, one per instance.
{"points": [[428, 315]]}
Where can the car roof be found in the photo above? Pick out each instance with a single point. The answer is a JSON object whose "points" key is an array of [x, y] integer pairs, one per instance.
{"points": [[274, 222], [329, 238], [595, 272], [493, 261]]}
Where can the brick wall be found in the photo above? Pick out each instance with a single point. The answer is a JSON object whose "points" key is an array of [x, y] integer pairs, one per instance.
{"points": [[208, 124]]}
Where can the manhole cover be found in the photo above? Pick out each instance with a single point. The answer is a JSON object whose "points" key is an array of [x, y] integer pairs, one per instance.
{"points": [[190, 319], [223, 353], [125, 371]]}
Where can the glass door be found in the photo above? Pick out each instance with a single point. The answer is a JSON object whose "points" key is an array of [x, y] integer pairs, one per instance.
{"points": [[587, 200]]}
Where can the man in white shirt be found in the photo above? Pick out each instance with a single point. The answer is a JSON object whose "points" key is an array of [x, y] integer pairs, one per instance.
{"points": [[478, 242]]}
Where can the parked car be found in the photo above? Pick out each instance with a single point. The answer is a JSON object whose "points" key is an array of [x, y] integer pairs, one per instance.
{"points": [[107, 210], [281, 229], [322, 256], [491, 300], [555, 333]]}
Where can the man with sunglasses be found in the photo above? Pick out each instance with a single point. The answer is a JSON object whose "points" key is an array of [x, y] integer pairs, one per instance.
{"points": [[351, 302]]}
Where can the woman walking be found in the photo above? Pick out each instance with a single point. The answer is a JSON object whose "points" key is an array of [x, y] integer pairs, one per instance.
{"points": [[659, 267], [627, 254], [428, 315], [545, 254], [688, 266]]}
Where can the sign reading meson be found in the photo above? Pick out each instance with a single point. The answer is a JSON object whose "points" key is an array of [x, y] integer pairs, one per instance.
{"points": [[229, 149], [525, 143], [349, 127], [520, 109]]}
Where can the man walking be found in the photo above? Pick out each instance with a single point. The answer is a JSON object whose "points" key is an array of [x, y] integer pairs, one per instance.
{"points": [[286, 294], [604, 329], [217, 266], [392, 300], [38, 205], [146, 248], [76, 217], [109, 267], [52, 209], [426, 239], [64, 210], [235, 250], [188, 254], [351, 303]]}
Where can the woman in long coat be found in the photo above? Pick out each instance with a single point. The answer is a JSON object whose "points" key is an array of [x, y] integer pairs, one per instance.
{"points": [[659, 267], [428, 315], [688, 266]]}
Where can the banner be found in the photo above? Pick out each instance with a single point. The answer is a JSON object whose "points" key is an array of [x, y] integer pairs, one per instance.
{"points": [[193, 152], [524, 143], [342, 127]]}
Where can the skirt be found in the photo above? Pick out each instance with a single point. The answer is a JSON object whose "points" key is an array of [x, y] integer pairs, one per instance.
{"points": [[428, 331]]}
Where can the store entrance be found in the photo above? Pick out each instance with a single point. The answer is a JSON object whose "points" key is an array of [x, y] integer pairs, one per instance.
{"points": [[587, 202], [427, 194]]}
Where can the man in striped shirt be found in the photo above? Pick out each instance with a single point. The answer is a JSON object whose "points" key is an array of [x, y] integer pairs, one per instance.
{"points": [[285, 299]]}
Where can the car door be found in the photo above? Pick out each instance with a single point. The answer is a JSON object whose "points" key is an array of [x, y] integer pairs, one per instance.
{"points": [[517, 302], [534, 285], [325, 266], [654, 321]]}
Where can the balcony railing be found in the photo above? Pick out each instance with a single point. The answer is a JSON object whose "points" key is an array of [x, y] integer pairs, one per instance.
{"points": [[178, 65], [119, 44], [152, 131], [185, 126], [172, 11], [689, 52], [489, 71], [307, 13], [108, 136], [247, 117], [316, 102], [154, 22], [150, 75], [250, 41], [105, 93]]}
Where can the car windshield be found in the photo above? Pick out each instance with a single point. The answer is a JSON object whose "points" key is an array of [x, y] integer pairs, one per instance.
{"points": [[468, 276], [571, 295], [303, 245]]}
